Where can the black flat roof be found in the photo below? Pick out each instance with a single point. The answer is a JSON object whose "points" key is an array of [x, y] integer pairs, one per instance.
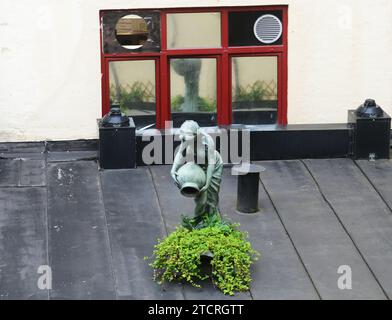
{"points": [[94, 228]]}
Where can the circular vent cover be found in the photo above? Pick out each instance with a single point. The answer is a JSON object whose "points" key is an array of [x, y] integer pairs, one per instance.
{"points": [[268, 28]]}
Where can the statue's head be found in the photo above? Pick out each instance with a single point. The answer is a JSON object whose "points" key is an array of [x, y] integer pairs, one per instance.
{"points": [[189, 130]]}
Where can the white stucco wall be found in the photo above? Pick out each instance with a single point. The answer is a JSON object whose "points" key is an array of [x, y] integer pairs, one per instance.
{"points": [[339, 54]]}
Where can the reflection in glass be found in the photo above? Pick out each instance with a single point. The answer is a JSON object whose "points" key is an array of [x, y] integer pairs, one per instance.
{"points": [[254, 89], [193, 90], [131, 31], [125, 30], [132, 85], [193, 30]]}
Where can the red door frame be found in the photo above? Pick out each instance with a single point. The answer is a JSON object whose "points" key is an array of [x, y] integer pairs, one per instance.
{"points": [[222, 54]]}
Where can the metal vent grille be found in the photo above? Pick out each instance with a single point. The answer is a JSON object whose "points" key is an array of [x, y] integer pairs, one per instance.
{"points": [[268, 29]]}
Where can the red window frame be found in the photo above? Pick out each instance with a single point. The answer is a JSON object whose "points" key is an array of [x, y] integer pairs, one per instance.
{"points": [[223, 55]]}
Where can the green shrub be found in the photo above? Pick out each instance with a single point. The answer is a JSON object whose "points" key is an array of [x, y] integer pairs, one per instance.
{"points": [[203, 104], [128, 96], [254, 93], [206, 220], [176, 103], [206, 106], [178, 257]]}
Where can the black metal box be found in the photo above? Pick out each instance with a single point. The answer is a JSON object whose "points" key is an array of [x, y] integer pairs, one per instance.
{"points": [[371, 136], [117, 146]]}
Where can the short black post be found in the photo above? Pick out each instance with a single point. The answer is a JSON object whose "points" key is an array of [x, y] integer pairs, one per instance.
{"points": [[248, 187]]}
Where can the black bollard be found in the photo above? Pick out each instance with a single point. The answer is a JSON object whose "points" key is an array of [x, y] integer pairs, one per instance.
{"points": [[117, 144], [372, 131], [248, 187]]}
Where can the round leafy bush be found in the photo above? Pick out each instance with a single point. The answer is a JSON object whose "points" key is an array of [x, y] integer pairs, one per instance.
{"points": [[178, 257]]}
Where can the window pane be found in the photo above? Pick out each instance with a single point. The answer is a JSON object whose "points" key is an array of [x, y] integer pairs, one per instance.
{"points": [[193, 30], [254, 89], [193, 90], [129, 31], [132, 85]]}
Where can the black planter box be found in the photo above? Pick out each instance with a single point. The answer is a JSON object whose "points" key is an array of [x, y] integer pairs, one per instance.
{"points": [[371, 138], [117, 147]]}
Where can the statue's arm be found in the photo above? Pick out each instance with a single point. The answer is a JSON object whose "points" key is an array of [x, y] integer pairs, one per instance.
{"points": [[178, 161]]}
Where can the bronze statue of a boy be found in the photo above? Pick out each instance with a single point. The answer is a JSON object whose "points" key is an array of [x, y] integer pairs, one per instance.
{"points": [[199, 147]]}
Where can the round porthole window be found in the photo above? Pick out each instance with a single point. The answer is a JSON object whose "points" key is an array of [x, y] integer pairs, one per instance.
{"points": [[268, 29], [131, 31]]}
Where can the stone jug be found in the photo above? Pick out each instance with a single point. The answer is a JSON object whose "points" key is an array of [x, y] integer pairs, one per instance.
{"points": [[191, 178]]}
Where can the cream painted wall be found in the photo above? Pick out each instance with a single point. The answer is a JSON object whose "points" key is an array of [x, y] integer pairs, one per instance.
{"points": [[339, 54]]}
